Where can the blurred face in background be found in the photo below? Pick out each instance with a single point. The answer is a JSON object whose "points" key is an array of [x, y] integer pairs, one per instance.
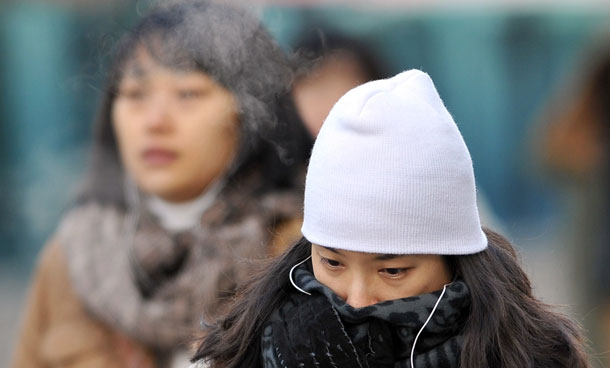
{"points": [[363, 279], [317, 92], [177, 131]]}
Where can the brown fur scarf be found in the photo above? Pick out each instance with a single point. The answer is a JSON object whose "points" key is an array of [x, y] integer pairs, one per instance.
{"points": [[155, 286]]}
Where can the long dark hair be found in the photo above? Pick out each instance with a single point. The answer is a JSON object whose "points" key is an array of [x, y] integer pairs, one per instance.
{"points": [[507, 326], [232, 47]]}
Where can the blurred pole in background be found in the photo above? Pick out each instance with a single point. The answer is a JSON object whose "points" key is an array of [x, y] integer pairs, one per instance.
{"points": [[51, 68], [50, 71], [38, 122]]}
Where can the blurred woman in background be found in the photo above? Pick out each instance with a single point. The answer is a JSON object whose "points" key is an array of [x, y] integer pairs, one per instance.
{"points": [[192, 172], [576, 146], [331, 64]]}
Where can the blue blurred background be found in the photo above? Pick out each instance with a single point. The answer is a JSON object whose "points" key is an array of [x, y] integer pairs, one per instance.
{"points": [[494, 67]]}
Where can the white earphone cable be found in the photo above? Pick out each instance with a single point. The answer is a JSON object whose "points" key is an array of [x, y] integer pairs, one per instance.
{"points": [[292, 281], [425, 323]]}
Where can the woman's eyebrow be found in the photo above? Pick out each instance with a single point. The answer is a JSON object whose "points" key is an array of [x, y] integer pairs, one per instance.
{"points": [[331, 249], [379, 257], [385, 257], [135, 70]]}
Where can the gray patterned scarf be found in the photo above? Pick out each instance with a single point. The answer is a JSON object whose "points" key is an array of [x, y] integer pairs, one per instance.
{"points": [[322, 330], [155, 286]]}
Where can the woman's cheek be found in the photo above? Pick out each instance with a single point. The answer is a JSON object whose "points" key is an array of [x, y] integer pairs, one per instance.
{"points": [[333, 282]]}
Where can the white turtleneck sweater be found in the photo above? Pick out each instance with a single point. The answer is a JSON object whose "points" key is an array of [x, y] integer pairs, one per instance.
{"points": [[175, 217]]}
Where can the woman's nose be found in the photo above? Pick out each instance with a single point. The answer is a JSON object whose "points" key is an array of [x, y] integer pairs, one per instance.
{"points": [[361, 295], [158, 115]]}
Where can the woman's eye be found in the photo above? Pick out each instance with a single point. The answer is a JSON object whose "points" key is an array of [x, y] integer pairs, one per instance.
{"points": [[132, 93], [188, 94], [330, 262], [394, 272]]}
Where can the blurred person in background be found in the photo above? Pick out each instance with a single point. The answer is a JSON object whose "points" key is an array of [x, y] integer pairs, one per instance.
{"points": [[576, 147], [192, 172], [332, 63]]}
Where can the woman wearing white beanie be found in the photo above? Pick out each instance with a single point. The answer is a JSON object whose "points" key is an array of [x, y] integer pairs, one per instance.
{"points": [[394, 269]]}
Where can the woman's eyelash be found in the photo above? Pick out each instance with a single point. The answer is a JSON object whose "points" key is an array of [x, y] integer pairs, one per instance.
{"points": [[394, 271], [194, 92], [330, 262], [191, 93]]}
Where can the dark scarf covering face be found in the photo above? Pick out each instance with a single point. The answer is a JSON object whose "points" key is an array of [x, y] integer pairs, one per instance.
{"points": [[321, 330], [154, 286]]}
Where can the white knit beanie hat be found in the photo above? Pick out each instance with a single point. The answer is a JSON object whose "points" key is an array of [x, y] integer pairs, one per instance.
{"points": [[390, 173]]}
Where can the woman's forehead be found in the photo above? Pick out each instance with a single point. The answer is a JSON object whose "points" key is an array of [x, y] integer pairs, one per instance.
{"points": [[374, 256], [145, 59]]}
